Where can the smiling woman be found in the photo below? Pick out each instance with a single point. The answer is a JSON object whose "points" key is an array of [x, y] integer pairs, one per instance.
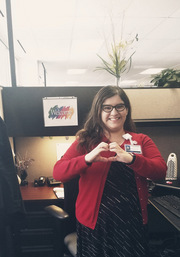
{"points": [[113, 163], [114, 116]]}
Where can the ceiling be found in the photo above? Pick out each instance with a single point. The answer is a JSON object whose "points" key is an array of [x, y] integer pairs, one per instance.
{"points": [[69, 34]]}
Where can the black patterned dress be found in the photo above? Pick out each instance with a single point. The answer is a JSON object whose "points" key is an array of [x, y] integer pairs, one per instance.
{"points": [[119, 230]]}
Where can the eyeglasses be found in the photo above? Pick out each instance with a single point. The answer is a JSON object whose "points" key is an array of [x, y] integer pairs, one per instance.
{"points": [[109, 108]]}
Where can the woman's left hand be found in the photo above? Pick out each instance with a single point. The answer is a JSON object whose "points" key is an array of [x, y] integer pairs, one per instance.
{"points": [[121, 155]]}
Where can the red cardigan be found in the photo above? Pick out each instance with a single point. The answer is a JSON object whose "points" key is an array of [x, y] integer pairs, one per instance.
{"points": [[149, 164]]}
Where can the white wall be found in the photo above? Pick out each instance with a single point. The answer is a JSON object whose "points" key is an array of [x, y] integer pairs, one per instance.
{"points": [[27, 73], [44, 152], [5, 77]]}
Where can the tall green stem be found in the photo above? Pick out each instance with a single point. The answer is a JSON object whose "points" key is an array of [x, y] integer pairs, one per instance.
{"points": [[117, 81]]}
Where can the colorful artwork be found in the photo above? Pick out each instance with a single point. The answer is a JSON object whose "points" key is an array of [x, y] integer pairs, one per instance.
{"points": [[60, 111]]}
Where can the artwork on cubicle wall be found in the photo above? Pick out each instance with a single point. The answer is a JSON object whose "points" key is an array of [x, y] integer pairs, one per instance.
{"points": [[60, 111]]}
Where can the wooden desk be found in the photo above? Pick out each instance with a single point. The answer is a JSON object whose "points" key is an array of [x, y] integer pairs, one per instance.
{"points": [[29, 192], [36, 198]]}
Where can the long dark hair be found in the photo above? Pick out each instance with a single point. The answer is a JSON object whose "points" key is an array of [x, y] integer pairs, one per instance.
{"points": [[92, 132]]}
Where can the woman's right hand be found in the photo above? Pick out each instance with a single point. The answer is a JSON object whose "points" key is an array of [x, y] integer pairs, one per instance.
{"points": [[94, 155]]}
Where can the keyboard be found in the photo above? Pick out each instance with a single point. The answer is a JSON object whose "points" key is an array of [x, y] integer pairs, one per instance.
{"points": [[170, 202]]}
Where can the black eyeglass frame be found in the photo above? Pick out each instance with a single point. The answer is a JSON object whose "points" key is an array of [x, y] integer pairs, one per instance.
{"points": [[112, 107]]}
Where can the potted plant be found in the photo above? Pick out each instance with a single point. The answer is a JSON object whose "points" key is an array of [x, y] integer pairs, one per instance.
{"points": [[119, 60], [169, 78], [22, 163]]}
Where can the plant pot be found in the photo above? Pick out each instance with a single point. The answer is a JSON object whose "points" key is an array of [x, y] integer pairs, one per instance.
{"points": [[23, 177]]}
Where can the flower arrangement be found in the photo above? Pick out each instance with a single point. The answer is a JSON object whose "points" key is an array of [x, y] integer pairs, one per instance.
{"points": [[22, 163], [118, 59]]}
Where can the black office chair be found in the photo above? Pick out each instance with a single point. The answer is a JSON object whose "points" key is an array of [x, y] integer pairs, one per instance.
{"points": [[11, 204], [65, 221]]}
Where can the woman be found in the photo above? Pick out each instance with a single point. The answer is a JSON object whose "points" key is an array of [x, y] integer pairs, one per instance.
{"points": [[113, 163]]}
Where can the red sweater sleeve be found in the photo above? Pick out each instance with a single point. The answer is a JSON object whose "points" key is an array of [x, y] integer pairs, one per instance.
{"points": [[150, 163], [70, 165]]}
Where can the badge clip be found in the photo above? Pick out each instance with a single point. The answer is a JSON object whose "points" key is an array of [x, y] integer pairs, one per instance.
{"points": [[127, 136]]}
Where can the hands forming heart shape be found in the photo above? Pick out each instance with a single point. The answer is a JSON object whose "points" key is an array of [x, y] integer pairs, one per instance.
{"points": [[120, 154]]}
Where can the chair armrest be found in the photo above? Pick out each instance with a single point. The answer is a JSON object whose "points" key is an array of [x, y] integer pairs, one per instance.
{"points": [[56, 212]]}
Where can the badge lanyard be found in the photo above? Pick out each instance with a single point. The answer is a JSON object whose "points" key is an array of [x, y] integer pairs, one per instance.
{"points": [[132, 147]]}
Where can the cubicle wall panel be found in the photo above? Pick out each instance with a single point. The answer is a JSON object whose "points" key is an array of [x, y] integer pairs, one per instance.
{"points": [[23, 107]]}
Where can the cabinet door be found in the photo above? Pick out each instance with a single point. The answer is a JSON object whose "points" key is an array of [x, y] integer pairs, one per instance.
{"points": [[154, 103]]}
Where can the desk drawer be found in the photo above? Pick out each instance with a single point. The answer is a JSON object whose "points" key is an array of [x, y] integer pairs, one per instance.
{"points": [[32, 237], [39, 220]]}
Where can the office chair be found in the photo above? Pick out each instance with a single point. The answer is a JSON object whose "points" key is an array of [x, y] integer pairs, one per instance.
{"points": [[11, 204], [65, 220]]}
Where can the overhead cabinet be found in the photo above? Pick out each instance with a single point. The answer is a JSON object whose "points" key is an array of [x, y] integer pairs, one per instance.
{"points": [[155, 103]]}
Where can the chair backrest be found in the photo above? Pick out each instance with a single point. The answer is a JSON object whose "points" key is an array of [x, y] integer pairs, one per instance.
{"points": [[71, 189]]}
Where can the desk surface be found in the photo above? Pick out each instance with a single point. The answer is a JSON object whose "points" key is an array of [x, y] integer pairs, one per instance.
{"points": [[173, 219], [29, 192]]}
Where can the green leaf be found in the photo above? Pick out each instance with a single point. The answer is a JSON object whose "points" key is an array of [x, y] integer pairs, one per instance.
{"points": [[117, 63]]}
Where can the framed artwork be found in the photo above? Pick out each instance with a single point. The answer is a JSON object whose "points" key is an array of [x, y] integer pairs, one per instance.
{"points": [[60, 111]]}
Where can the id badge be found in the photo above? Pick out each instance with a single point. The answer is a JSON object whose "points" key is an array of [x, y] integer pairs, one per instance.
{"points": [[133, 149]]}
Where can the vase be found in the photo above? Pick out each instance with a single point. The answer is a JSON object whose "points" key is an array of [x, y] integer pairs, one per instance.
{"points": [[23, 177]]}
